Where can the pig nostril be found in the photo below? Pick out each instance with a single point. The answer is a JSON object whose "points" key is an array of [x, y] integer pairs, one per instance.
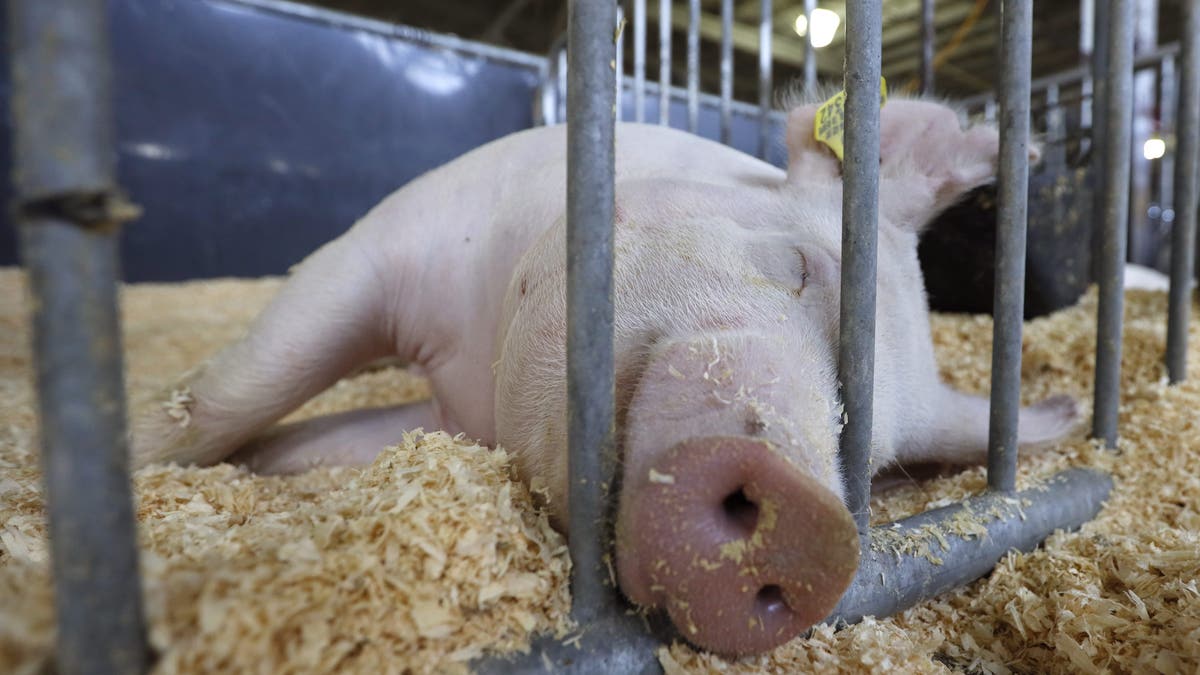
{"points": [[741, 510], [770, 600]]}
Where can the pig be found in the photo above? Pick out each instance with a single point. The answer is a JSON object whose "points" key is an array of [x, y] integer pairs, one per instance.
{"points": [[731, 510]]}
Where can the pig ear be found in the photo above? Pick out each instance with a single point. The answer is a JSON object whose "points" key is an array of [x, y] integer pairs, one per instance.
{"points": [[928, 160], [807, 159]]}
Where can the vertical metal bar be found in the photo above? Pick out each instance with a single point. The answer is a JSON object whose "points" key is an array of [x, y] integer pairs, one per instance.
{"points": [[726, 71], [619, 65], [860, 214], [68, 211], [664, 62], [562, 83], [810, 52], [928, 37], [989, 111], [693, 65], [1168, 101], [1012, 192], [1187, 182], [764, 77], [1054, 116], [1145, 31], [1087, 19], [1102, 11], [1118, 114], [639, 60], [590, 380]]}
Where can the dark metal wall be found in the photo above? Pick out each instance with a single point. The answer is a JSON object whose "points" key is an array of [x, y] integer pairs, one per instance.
{"points": [[253, 132], [250, 138]]}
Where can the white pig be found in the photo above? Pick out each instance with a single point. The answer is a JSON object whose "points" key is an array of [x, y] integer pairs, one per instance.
{"points": [[727, 270]]}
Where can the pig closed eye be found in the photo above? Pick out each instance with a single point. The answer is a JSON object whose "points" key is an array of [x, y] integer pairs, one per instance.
{"points": [[803, 266]]}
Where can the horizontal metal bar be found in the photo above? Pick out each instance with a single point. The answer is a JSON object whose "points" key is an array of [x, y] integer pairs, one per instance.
{"points": [[918, 558], [336, 19], [1076, 75]]}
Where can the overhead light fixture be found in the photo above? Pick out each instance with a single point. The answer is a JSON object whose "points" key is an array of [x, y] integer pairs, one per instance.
{"points": [[825, 23], [1154, 148]]}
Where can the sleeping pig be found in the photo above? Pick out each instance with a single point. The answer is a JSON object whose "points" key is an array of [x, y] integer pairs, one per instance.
{"points": [[731, 515]]}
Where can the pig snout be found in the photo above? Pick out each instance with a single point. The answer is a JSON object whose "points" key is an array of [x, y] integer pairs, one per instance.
{"points": [[743, 549]]}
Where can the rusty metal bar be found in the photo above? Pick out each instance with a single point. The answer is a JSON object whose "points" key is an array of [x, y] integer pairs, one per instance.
{"points": [[68, 210]]}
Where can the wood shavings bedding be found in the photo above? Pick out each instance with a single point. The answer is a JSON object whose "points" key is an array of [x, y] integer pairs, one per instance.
{"points": [[433, 554]]}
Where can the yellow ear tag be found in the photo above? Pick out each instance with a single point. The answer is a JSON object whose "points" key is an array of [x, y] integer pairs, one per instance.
{"points": [[829, 126]]}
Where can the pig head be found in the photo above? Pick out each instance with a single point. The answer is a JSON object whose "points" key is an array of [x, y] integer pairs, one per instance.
{"points": [[731, 514]]}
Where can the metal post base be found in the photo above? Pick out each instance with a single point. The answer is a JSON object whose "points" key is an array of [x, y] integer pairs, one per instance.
{"points": [[623, 642], [917, 558], [903, 564]]}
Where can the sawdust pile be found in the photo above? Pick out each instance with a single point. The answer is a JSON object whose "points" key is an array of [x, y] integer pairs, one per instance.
{"points": [[433, 554]]}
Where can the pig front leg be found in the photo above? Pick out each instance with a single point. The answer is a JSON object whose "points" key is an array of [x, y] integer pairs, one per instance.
{"points": [[334, 315], [955, 429], [352, 438]]}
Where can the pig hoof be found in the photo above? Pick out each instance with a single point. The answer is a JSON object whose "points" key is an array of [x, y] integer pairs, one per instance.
{"points": [[1049, 420], [744, 550]]}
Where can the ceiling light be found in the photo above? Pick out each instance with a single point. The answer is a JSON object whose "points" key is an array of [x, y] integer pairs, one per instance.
{"points": [[825, 23], [1154, 148]]}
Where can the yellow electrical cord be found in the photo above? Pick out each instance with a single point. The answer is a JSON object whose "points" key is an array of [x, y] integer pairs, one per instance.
{"points": [[946, 52]]}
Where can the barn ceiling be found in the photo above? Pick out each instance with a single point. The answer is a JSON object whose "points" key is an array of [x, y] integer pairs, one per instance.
{"points": [[967, 35]]}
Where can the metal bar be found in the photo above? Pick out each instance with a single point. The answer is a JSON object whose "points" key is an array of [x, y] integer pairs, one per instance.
{"points": [[1187, 182], [1012, 193], [750, 110], [764, 76], [619, 63], [810, 52], [590, 383], [889, 581], [928, 37], [726, 70], [1168, 101], [989, 111], [1118, 117], [664, 62], [1055, 127], [1102, 14], [860, 214], [610, 638], [1067, 77], [561, 72], [693, 65], [639, 60], [336, 19], [68, 210], [1145, 36]]}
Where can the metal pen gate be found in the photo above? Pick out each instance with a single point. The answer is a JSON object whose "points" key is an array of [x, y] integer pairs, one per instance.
{"points": [[69, 207]]}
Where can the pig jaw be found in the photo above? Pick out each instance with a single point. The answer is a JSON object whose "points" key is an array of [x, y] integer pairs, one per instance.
{"points": [[743, 550], [730, 515]]}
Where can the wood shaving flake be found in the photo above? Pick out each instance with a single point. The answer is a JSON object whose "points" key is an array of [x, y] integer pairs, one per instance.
{"points": [[434, 556]]}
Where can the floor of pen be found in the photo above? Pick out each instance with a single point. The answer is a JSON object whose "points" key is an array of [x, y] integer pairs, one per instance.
{"points": [[434, 554]]}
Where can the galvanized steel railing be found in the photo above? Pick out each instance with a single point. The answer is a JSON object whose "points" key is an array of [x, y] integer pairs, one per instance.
{"points": [[69, 208]]}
